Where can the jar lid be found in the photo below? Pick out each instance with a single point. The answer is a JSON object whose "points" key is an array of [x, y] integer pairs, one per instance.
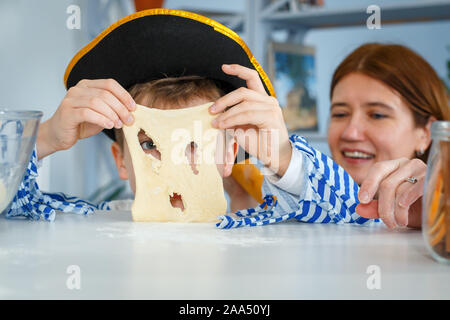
{"points": [[440, 129]]}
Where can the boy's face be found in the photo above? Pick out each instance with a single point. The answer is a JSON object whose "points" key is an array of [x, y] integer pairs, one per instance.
{"points": [[224, 156]]}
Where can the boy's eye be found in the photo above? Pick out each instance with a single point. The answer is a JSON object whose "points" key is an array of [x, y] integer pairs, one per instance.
{"points": [[148, 145]]}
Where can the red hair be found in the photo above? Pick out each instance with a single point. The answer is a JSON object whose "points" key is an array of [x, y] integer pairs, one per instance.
{"points": [[404, 71]]}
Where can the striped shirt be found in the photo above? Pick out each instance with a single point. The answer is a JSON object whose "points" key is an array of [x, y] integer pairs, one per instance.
{"points": [[31, 203], [327, 195]]}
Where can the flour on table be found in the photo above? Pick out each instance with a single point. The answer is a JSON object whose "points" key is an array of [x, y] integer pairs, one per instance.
{"points": [[121, 205], [185, 234]]}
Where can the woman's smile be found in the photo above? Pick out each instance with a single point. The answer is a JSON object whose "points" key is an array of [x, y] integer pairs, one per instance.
{"points": [[356, 156]]}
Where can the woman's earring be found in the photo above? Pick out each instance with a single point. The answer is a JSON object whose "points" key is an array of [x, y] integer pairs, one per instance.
{"points": [[420, 152]]}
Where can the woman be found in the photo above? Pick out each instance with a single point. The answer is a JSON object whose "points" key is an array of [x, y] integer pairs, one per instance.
{"points": [[383, 101]]}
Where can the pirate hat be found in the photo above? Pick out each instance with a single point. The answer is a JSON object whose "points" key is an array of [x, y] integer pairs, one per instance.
{"points": [[158, 43]]}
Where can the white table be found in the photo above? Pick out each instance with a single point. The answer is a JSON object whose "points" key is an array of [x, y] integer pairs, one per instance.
{"points": [[117, 258]]}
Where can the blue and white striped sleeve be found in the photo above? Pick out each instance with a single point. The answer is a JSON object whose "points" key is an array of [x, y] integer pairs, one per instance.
{"points": [[328, 194], [31, 203]]}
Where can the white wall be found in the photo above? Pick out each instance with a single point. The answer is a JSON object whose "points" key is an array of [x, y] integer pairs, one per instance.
{"points": [[36, 46]]}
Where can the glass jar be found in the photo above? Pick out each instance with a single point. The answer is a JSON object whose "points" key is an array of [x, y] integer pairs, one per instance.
{"points": [[436, 201], [18, 131]]}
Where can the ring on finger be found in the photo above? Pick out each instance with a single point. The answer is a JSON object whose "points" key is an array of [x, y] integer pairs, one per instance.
{"points": [[412, 180]]}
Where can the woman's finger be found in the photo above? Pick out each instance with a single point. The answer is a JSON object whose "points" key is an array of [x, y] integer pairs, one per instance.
{"points": [[390, 187], [236, 97], [251, 76], [368, 211], [377, 173], [400, 211], [407, 195], [414, 192], [112, 86]]}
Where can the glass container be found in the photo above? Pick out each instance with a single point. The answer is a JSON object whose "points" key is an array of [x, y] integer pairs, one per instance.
{"points": [[436, 201], [18, 130]]}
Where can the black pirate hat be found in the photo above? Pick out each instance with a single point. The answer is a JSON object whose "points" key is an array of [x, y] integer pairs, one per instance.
{"points": [[157, 43]]}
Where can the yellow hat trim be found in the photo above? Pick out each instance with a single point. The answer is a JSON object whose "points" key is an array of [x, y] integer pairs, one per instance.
{"points": [[217, 26]]}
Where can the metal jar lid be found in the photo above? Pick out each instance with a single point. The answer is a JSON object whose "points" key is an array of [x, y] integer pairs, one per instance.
{"points": [[440, 130]]}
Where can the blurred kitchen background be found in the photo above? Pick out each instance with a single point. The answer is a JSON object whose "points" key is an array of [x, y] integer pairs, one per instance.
{"points": [[298, 42]]}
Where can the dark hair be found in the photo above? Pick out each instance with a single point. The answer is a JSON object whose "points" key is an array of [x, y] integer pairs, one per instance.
{"points": [[406, 72]]}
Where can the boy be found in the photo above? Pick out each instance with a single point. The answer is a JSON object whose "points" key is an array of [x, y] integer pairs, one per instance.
{"points": [[138, 50], [178, 93], [166, 94]]}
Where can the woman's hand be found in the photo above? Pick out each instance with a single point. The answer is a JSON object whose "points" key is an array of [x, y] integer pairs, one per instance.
{"points": [[256, 118], [399, 202], [88, 108]]}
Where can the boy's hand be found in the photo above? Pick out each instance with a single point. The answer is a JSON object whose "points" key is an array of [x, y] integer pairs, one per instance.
{"points": [[88, 108], [256, 118]]}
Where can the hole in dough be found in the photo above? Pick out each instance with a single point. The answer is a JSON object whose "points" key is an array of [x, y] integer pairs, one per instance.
{"points": [[177, 201], [148, 145], [191, 154]]}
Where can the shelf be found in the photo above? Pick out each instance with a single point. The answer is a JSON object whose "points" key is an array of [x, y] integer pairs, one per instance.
{"points": [[325, 18]]}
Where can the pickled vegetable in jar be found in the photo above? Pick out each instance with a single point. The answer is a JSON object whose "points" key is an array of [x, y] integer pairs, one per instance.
{"points": [[436, 204]]}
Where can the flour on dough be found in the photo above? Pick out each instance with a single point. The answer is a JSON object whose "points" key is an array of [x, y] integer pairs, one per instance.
{"points": [[156, 180]]}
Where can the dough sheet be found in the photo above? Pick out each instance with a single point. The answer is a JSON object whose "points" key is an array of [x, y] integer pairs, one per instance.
{"points": [[172, 131]]}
